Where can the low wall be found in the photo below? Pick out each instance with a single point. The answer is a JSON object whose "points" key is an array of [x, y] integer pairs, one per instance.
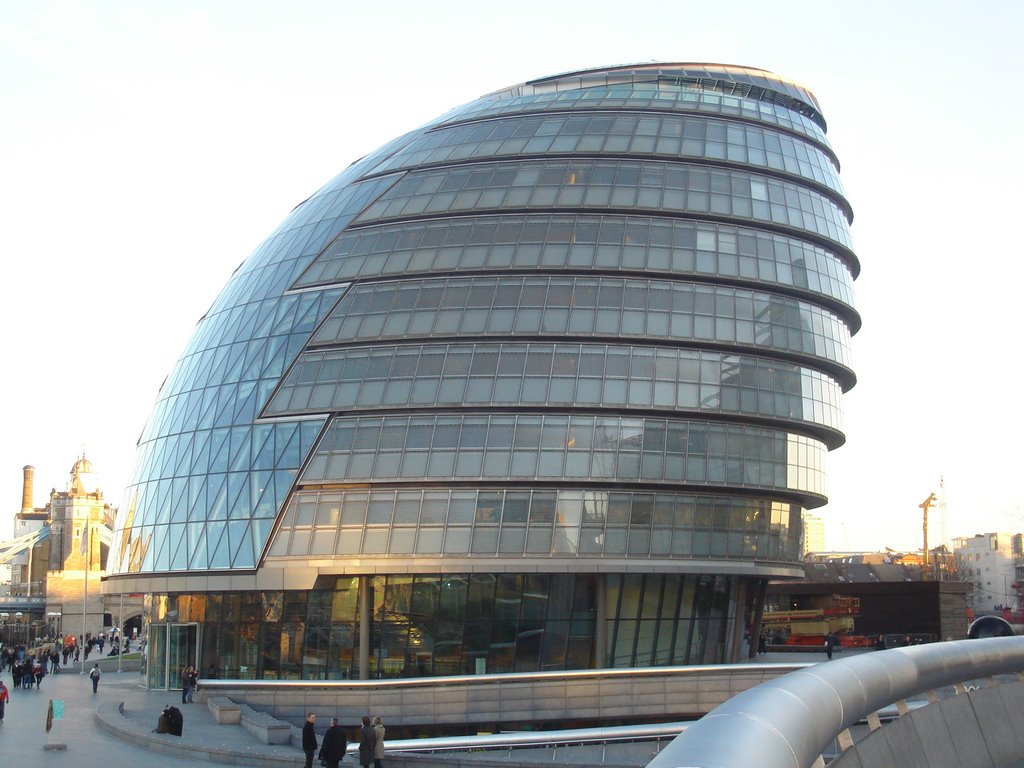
{"points": [[546, 700], [980, 729]]}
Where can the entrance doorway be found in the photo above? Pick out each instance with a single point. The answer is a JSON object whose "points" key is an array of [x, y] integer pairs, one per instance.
{"points": [[172, 647]]}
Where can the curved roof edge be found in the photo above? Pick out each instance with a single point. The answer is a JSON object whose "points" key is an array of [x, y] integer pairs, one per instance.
{"points": [[794, 95]]}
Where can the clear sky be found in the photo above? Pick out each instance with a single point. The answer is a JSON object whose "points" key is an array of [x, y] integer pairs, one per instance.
{"points": [[146, 148]]}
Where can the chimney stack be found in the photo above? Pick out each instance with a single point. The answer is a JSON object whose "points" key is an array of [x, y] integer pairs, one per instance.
{"points": [[26, 490]]}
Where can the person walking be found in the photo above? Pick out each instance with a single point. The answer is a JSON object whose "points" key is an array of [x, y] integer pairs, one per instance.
{"points": [[94, 675], [4, 696], [309, 738], [378, 743], [367, 742], [830, 643], [335, 745]]}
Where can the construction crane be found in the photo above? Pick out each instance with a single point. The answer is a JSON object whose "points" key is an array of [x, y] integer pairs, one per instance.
{"points": [[926, 505]]}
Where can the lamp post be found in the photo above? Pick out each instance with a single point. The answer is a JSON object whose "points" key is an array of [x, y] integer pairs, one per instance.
{"points": [[6, 639], [17, 627]]}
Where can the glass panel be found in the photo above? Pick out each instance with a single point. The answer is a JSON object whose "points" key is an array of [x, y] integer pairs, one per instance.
{"points": [[182, 651]]}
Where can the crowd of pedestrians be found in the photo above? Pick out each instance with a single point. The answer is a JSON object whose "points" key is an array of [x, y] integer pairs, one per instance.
{"points": [[335, 743], [27, 668]]}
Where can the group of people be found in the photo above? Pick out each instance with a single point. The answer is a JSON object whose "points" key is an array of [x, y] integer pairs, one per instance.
{"points": [[27, 672], [335, 744]]}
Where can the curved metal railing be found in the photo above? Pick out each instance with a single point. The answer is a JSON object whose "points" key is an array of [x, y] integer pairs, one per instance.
{"points": [[569, 675], [788, 722]]}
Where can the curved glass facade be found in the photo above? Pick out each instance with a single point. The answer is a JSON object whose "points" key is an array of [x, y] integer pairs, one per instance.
{"points": [[554, 375], [569, 358], [573, 242]]}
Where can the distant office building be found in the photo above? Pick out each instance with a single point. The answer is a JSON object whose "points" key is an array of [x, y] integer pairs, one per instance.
{"points": [[814, 533], [987, 561], [545, 384]]}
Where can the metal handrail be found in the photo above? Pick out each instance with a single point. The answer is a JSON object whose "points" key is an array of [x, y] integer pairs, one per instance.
{"points": [[490, 679], [526, 739], [788, 722]]}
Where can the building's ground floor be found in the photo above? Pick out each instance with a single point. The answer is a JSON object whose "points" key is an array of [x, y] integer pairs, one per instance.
{"points": [[441, 624]]}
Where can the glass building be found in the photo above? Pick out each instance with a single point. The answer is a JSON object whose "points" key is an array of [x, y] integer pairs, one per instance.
{"points": [[545, 384]]}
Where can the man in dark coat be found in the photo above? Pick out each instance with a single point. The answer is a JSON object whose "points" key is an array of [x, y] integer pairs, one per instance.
{"points": [[830, 643], [309, 738], [367, 741], [334, 746]]}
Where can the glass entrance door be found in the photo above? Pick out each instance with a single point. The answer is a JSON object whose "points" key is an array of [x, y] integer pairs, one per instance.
{"points": [[182, 650], [172, 647]]}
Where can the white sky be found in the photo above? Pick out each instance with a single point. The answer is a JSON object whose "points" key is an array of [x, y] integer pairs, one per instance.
{"points": [[146, 148]]}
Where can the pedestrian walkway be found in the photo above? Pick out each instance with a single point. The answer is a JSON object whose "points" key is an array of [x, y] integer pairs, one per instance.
{"points": [[98, 734], [117, 726]]}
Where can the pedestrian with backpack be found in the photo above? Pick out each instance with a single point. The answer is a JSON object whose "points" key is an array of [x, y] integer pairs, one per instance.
{"points": [[94, 675]]}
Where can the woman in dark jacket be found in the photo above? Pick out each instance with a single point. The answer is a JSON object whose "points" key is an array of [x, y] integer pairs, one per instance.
{"points": [[333, 749], [367, 741]]}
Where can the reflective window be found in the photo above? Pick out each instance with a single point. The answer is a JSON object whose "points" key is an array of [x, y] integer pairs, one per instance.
{"points": [[611, 448], [540, 522], [582, 242], [585, 306], [646, 97], [616, 133], [616, 184], [556, 375], [433, 624]]}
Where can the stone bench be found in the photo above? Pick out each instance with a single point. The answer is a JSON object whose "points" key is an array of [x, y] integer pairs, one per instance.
{"points": [[264, 727], [224, 710]]}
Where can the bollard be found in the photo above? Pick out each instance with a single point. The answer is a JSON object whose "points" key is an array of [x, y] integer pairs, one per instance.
{"points": [[54, 713]]}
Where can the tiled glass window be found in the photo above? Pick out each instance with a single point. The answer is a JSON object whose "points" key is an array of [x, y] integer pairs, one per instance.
{"points": [[623, 185], [538, 523], [644, 97], [556, 375], [433, 624], [608, 133], [585, 306], [582, 242], [576, 448]]}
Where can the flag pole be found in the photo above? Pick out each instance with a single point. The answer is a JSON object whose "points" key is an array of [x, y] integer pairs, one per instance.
{"points": [[86, 545], [120, 631]]}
